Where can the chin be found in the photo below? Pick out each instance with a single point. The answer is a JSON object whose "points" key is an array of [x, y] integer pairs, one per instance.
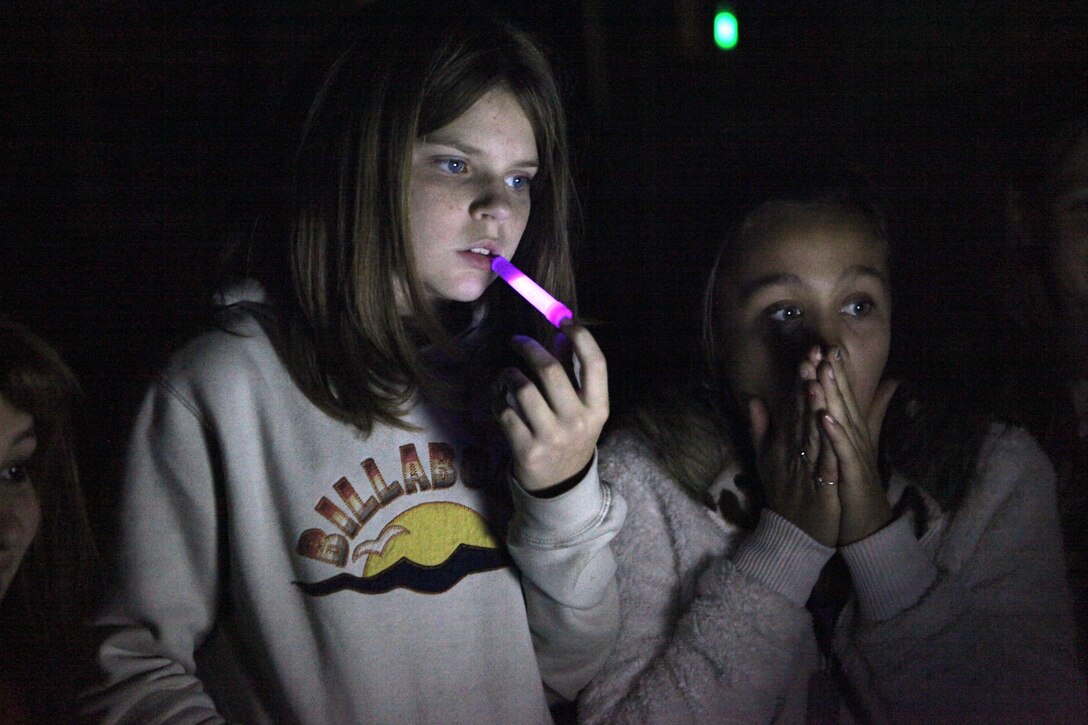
{"points": [[468, 292], [465, 298]]}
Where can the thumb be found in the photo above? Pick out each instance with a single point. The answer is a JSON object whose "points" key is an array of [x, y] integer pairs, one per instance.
{"points": [[761, 420], [879, 408]]}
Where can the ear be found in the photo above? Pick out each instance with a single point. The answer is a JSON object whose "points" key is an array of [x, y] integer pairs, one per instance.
{"points": [[879, 408]]}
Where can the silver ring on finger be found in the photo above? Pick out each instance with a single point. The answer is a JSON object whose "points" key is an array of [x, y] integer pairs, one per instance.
{"points": [[803, 454], [822, 482]]}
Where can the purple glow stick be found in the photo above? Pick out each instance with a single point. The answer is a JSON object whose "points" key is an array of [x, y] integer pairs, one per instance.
{"points": [[533, 293]]}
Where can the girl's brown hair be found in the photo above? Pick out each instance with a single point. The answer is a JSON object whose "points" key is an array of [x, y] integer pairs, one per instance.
{"points": [[340, 244], [43, 614]]}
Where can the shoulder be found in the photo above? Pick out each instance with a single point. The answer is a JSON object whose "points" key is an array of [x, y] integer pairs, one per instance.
{"points": [[1004, 541], [237, 344], [233, 339], [1010, 452], [629, 464], [224, 364], [1013, 490], [662, 516]]}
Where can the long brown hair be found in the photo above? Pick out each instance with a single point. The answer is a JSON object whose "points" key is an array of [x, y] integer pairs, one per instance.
{"points": [[339, 244], [43, 614]]}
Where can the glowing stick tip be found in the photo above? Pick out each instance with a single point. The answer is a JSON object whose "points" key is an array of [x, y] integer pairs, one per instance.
{"points": [[533, 293]]}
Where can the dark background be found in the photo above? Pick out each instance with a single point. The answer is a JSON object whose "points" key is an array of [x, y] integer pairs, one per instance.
{"points": [[133, 135]]}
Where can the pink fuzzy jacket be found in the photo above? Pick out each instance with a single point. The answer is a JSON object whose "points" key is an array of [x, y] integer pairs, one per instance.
{"points": [[969, 623]]}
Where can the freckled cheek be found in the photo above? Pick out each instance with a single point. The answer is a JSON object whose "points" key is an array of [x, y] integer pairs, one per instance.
{"points": [[522, 207], [21, 517], [429, 203], [447, 204], [520, 219]]}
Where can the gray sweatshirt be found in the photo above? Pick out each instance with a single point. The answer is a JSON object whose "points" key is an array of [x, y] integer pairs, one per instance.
{"points": [[276, 565], [969, 623]]}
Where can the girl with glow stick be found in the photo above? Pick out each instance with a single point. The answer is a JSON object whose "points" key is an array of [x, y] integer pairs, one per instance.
{"points": [[792, 552], [322, 520]]}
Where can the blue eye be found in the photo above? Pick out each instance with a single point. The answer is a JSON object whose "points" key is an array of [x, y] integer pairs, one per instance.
{"points": [[452, 166], [784, 313], [518, 182], [858, 308]]}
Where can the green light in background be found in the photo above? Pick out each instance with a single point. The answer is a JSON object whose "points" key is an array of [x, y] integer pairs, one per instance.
{"points": [[725, 30]]}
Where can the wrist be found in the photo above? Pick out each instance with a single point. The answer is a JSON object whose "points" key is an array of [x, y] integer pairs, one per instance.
{"points": [[558, 489], [853, 530]]}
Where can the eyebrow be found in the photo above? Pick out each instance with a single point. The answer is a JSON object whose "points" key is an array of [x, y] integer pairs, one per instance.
{"points": [[23, 436], [786, 279], [26, 434], [749, 289], [469, 149]]}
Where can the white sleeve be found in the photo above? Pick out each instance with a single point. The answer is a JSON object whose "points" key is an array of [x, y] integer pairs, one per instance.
{"points": [[165, 585], [561, 546], [990, 639]]}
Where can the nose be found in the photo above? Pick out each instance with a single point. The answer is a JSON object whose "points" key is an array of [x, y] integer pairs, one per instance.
{"points": [[817, 331], [492, 202], [827, 333]]}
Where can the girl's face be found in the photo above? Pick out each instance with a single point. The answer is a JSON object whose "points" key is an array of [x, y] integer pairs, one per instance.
{"points": [[469, 191], [20, 512], [816, 278]]}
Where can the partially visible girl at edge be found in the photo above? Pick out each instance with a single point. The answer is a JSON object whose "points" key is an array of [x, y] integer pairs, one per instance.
{"points": [[1044, 289], [48, 559], [788, 557], [315, 510]]}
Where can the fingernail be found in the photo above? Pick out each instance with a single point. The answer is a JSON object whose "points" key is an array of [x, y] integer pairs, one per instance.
{"points": [[830, 419], [830, 372]]}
